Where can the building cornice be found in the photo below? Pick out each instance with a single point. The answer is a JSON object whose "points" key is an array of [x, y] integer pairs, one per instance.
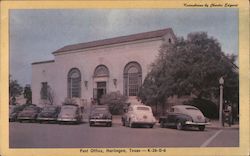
{"points": [[43, 62], [108, 46], [115, 41]]}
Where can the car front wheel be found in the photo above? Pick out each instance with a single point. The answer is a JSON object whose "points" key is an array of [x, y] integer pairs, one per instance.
{"points": [[179, 125], [109, 124], [90, 124], [162, 124], [201, 128]]}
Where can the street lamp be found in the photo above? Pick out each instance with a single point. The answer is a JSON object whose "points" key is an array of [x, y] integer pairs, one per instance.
{"points": [[221, 81]]}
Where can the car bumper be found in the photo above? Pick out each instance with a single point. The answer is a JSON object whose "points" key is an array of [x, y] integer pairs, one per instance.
{"points": [[46, 119], [25, 118], [143, 123], [12, 117], [100, 120], [190, 123], [66, 120]]}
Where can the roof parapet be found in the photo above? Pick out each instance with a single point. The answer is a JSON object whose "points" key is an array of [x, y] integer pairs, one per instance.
{"points": [[116, 40]]}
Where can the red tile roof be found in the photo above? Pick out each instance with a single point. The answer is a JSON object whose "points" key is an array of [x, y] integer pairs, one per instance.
{"points": [[116, 40]]}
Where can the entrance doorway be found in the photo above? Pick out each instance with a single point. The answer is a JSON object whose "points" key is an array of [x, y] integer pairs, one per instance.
{"points": [[101, 90]]}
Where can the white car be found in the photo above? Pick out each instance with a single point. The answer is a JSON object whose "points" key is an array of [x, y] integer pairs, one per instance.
{"points": [[138, 115]]}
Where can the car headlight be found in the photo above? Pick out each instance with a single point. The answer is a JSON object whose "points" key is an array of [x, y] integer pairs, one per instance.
{"points": [[133, 117], [153, 119], [207, 120], [12, 115], [108, 116], [189, 118]]}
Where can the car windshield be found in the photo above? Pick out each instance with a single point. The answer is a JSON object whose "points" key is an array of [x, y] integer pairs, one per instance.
{"points": [[49, 109], [193, 110], [29, 109], [68, 109], [11, 109], [143, 109]]}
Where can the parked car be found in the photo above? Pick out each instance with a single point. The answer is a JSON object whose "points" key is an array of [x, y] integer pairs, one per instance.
{"points": [[13, 112], [100, 115], [48, 113], [70, 113], [138, 115], [182, 116], [29, 113]]}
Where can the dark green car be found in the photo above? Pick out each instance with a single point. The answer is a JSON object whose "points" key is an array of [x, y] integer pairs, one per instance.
{"points": [[48, 114], [100, 115], [29, 113], [14, 110]]}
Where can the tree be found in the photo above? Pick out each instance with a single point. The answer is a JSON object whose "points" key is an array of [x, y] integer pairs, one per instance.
{"points": [[189, 66], [27, 94], [47, 94], [51, 96], [15, 89], [115, 101]]}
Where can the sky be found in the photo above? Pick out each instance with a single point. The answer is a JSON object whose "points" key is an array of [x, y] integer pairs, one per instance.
{"points": [[35, 34]]}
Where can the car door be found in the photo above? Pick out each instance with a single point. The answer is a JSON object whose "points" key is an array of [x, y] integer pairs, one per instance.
{"points": [[171, 117]]}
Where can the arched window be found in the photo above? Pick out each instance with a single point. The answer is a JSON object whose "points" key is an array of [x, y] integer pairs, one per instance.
{"points": [[101, 71], [74, 83], [132, 78]]}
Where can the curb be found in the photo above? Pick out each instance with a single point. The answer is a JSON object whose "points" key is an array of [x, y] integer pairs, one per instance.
{"points": [[214, 124], [224, 128]]}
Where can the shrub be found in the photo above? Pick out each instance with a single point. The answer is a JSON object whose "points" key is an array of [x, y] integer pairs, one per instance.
{"points": [[69, 101], [116, 102]]}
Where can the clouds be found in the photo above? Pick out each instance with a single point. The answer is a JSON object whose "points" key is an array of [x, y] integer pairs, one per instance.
{"points": [[35, 34]]}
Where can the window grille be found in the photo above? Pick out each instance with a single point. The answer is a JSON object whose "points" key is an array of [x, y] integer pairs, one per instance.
{"points": [[44, 91], [132, 78], [101, 70], [74, 83]]}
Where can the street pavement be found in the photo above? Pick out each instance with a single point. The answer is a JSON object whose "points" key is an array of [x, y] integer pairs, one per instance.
{"points": [[214, 124], [35, 135]]}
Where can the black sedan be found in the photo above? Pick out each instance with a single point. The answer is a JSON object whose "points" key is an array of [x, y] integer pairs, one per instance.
{"points": [[29, 113], [48, 113], [100, 115], [182, 116]]}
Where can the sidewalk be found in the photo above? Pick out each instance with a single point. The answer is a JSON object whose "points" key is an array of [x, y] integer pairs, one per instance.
{"points": [[214, 124], [117, 119]]}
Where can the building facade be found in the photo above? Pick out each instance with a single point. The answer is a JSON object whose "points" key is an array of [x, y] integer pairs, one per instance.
{"points": [[89, 70]]}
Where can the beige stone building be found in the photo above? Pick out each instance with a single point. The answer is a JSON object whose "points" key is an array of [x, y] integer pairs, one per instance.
{"points": [[89, 70]]}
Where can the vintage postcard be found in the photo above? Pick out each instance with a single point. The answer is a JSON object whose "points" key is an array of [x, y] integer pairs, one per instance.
{"points": [[124, 78]]}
